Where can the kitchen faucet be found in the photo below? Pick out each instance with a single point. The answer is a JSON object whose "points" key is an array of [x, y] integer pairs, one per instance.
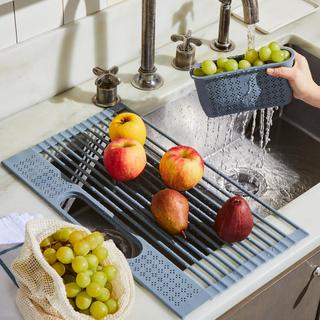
{"points": [[147, 78], [250, 16]]}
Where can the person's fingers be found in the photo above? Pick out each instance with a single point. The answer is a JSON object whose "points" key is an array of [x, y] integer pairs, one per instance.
{"points": [[299, 59], [281, 72]]}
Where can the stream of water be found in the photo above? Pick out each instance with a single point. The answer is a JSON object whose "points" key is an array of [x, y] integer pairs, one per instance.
{"points": [[251, 36]]}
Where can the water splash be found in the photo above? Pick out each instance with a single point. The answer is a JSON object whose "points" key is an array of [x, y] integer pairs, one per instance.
{"points": [[269, 118], [251, 36], [253, 127], [244, 125], [209, 130], [231, 128], [266, 116], [226, 138], [245, 116], [258, 139], [261, 131], [218, 130], [284, 181], [286, 174], [261, 142]]}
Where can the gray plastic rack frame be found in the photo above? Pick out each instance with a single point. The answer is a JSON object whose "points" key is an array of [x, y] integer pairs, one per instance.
{"points": [[182, 273]]}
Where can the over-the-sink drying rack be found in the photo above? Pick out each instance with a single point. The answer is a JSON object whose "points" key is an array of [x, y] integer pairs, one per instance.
{"points": [[183, 273]]}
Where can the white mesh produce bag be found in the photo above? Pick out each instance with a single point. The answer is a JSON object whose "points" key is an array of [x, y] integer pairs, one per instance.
{"points": [[41, 293]]}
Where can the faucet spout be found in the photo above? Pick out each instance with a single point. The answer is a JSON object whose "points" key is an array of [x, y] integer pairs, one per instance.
{"points": [[250, 11], [147, 78], [250, 16]]}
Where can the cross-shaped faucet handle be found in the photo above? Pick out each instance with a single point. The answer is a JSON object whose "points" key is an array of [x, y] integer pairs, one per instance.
{"points": [[186, 39], [106, 82], [107, 77]]}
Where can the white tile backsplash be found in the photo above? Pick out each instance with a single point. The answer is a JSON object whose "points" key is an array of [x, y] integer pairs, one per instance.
{"points": [[180, 15], [76, 9], [34, 17], [7, 26], [53, 62], [123, 26]]}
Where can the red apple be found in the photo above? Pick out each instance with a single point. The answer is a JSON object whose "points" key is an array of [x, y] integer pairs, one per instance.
{"points": [[171, 210], [181, 168], [124, 159]]}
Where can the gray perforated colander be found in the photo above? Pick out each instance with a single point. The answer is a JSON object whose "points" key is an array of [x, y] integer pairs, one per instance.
{"points": [[243, 90]]}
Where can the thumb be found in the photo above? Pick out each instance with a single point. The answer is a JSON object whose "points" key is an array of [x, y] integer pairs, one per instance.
{"points": [[281, 72]]}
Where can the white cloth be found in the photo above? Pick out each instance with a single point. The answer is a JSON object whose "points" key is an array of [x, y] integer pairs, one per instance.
{"points": [[12, 227], [12, 230]]}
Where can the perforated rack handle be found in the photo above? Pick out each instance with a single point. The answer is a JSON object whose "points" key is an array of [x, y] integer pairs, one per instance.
{"points": [[35, 171]]}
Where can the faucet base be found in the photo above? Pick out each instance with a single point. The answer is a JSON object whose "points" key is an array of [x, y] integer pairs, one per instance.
{"points": [[105, 104], [184, 68], [222, 47], [147, 81]]}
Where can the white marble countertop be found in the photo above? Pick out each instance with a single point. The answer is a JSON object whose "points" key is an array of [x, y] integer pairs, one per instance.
{"points": [[36, 123]]}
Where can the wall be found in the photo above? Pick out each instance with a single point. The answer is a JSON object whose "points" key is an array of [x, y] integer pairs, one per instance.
{"points": [[56, 43], [21, 20]]}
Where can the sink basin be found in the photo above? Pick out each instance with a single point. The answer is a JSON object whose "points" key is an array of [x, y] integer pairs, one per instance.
{"points": [[288, 165]]}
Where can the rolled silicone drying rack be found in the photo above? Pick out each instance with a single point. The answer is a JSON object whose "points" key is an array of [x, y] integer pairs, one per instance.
{"points": [[183, 273]]}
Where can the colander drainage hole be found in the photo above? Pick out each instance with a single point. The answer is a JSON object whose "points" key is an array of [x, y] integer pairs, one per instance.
{"points": [[249, 179]]}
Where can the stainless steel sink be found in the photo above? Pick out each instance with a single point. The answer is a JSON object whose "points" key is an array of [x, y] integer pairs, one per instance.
{"points": [[287, 167]]}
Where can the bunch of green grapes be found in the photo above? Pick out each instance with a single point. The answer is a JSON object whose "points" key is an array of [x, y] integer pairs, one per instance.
{"points": [[266, 54], [273, 53], [80, 259]]}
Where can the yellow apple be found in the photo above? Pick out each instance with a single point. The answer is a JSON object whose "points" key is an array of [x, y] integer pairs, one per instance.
{"points": [[128, 125]]}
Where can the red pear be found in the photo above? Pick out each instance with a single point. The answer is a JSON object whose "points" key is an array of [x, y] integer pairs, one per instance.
{"points": [[171, 210], [234, 220]]}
